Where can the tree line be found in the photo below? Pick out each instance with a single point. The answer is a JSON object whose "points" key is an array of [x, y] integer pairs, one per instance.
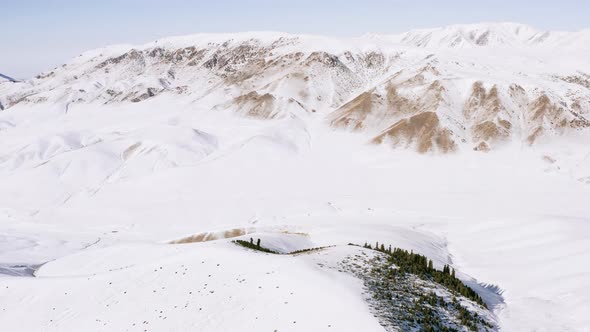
{"points": [[409, 262]]}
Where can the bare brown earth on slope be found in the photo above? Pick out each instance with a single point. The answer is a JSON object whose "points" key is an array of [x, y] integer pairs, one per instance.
{"points": [[410, 104], [484, 110], [211, 236], [488, 131], [542, 110], [353, 114], [256, 105], [372, 107], [481, 103], [423, 130]]}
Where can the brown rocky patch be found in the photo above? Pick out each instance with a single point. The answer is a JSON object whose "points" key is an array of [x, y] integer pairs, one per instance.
{"points": [[579, 80], [131, 56], [505, 124], [543, 114], [353, 114], [482, 147], [542, 107], [374, 60], [257, 105], [533, 137], [327, 59], [482, 104], [136, 97], [371, 108], [211, 236], [398, 103], [423, 130], [488, 131], [429, 68]]}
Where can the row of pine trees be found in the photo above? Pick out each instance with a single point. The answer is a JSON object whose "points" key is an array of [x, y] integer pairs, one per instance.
{"points": [[409, 262]]}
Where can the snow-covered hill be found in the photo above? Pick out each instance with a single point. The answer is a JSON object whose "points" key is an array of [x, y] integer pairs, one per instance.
{"points": [[112, 162]]}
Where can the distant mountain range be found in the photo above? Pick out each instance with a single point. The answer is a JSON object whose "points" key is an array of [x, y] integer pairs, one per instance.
{"points": [[8, 78], [492, 35], [462, 86]]}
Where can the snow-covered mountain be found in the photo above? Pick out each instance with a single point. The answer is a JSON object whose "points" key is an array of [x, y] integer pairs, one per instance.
{"points": [[4, 78], [126, 173], [497, 35], [466, 86]]}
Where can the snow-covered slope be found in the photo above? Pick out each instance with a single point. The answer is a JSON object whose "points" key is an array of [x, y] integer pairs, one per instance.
{"points": [[108, 159], [473, 86], [502, 35]]}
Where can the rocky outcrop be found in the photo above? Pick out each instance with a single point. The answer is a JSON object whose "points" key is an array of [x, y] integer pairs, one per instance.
{"points": [[486, 116], [422, 131], [256, 105]]}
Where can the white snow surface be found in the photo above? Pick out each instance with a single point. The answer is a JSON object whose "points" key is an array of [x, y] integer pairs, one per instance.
{"points": [[96, 194]]}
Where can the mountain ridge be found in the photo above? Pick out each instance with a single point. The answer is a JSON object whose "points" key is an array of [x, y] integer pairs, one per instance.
{"points": [[8, 78], [529, 36], [395, 38], [401, 91]]}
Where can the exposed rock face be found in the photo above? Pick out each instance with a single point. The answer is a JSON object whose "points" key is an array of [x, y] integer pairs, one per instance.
{"points": [[481, 103], [417, 98], [544, 115], [386, 109], [486, 116], [253, 104], [482, 147], [422, 130], [355, 113]]}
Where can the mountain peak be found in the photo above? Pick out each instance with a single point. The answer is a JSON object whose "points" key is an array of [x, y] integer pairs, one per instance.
{"points": [[472, 35]]}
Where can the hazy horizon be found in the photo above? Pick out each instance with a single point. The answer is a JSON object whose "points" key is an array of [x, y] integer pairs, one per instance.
{"points": [[62, 29]]}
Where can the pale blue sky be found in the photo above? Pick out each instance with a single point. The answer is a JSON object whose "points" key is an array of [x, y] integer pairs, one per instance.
{"points": [[37, 35]]}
